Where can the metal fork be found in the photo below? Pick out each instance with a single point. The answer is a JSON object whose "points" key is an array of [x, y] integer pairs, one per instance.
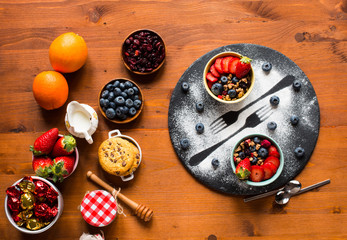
{"points": [[231, 117], [251, 121]]}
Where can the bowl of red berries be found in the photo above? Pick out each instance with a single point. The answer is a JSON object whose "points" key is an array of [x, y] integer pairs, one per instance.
{"points": [[229, 77], [143, 52], [257, 159], [121, 101]]}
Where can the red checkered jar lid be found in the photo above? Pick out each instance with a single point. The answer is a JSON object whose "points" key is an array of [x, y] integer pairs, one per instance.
{"points": [[98, 208]]}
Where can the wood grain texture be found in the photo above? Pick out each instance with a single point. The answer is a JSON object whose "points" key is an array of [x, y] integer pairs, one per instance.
{"points": [[311, 33]]}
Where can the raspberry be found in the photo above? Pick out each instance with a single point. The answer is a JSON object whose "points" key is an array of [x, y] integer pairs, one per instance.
{"points": [[265, 143]]}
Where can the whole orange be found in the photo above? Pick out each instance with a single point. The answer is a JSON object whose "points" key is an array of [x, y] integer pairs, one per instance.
{"points": [[50, 89], [68, 52]]}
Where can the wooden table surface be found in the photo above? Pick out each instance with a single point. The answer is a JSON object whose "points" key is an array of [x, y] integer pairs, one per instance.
{"points": [[311, 33]]}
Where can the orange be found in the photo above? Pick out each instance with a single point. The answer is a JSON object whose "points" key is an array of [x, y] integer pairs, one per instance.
{"points": [[50, 90], [68, 53]]}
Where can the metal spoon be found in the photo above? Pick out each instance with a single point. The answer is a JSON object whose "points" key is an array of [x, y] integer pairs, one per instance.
{"points": [[292, 185], [282, 197]]}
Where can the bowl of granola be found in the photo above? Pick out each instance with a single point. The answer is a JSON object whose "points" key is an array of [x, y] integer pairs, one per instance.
{"points": [[229, 77]]}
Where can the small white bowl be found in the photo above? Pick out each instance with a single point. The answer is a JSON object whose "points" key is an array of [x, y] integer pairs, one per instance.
{"points": [[25, 230]]}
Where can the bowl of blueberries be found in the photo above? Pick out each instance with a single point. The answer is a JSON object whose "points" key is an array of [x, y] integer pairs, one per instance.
{"points": [[121, 100]]}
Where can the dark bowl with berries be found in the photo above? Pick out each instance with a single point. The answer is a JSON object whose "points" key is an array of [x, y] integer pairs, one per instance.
{"points": [[257, 159], [33, 205], [229, 77], [143, 52], [121, 101]]}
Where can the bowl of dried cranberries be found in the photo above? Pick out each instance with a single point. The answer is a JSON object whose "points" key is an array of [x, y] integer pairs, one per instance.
{"points": [[257, 159], [143, 52], [229, 77]]}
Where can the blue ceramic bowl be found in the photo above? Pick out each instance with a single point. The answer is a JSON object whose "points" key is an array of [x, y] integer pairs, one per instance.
{"points": [[280, 167]]}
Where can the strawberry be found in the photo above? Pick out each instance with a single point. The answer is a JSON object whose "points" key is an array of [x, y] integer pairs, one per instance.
{"points": [[42, 166], [218, 65], [243, 169], [214, 71], [43, 145], [64, 146], [62, 167], [268, 173], [225, 64], [243, 67], [272, 166], [274, 160], [273, 151], [209, 84], [211, 78], [257, 173], [232, 65]]}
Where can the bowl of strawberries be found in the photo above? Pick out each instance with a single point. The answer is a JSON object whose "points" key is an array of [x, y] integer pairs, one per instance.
{"points": [[55, 156], [257, 159], [229, 77]]}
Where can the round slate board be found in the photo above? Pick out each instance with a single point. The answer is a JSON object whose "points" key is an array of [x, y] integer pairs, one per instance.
{"points": [[183, 117]]}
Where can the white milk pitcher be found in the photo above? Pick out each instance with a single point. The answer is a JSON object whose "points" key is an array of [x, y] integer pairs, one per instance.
{"points": [[81, 120]]}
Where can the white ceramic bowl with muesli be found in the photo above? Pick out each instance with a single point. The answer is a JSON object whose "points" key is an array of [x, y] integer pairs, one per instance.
{"points": [[221, 82]]}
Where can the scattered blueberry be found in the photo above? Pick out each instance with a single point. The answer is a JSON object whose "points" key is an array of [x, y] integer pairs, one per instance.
{"points": [[137, 103], [274, 100], [184, 143], [105, 93], [129, 103], [235, 80], [272, 125], [232, 93], [122, 85], [224, 79], [256, 140], [266, 66], [294, 120], [199, 106], [254, 161], [109, 87], [117, 92], [242, 155], [185, 86], [120, 101], [296, 85], [262, 152], [217, 89], [199, 127], [132, 111], [215, 162], [110, 113], [299, 152]]}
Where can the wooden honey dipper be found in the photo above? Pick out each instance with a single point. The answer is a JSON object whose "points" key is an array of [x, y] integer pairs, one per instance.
{"points": [[140, 210]]}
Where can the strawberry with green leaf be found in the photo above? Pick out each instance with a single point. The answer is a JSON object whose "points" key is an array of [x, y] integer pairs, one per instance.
{"points": [[243, 169], [62, 167], [64, 146], [44, 144], [42, 166], [243, 67]]}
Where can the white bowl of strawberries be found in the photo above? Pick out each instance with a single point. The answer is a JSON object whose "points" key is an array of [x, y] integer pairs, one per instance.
{"points": [[257, 159], [229, 77], [55, 156]]}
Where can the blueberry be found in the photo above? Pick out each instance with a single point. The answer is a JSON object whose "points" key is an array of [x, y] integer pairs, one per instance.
{"points": [[254, 161], [224, 79], [125, 110], [113, 105], [299, 152], [272, 125], [184, 143], [105, 93], [128, 84], [104, 109], [247, 152], [296, 85], [137, 103], [106, 103], [135, 97], [117, 92], [262, 152], [242, 155], [232, 93], [102, 102], [130, 92], [266, 66], [120, 101], [110, 113], [111, 96], [124, 95], [217, 89], [252, 148], [109, 87], [294, 120], [119, 111], [274, 100], [215, 162], [256, 140], [185, 87], [129, 103], [132, 111], [136, 90], [116, 84], [199, 127], [199, 106], [122, 85], [122, 116], [235, 80]]}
